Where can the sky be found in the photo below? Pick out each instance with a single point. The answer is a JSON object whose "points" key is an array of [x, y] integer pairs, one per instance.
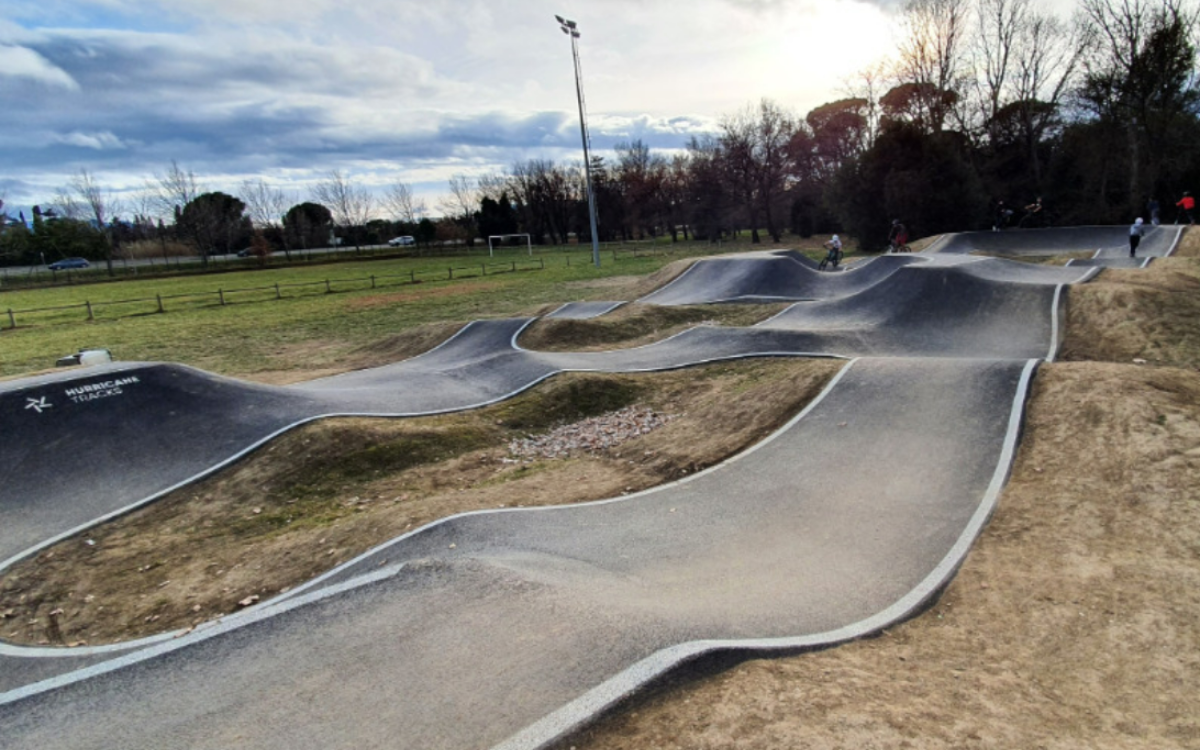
{"points": [[392, 90]]}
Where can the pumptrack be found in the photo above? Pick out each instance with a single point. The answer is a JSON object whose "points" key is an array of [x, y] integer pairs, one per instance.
{"points": [[511, 628]]}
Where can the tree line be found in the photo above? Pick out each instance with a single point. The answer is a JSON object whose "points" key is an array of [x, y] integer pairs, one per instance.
{"points": [[985, 106], [988, 107]]}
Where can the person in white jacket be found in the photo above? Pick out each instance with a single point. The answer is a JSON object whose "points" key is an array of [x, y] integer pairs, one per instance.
{"points": [[1136, 232]]}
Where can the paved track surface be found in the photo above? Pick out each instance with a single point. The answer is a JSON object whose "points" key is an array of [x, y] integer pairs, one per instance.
{"points": [[508, 628], [584, 310]]}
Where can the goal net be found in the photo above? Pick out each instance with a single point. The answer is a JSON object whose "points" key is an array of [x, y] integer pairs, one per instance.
{"points": [[498, 240]]}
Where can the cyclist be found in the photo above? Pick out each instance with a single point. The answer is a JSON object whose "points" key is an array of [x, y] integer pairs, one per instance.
{"points": [[1033, 213], [834, 255], [898, 238], [1185, 206]]}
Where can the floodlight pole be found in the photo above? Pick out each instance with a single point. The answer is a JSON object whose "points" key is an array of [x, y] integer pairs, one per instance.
{"points": [[571, 29]]}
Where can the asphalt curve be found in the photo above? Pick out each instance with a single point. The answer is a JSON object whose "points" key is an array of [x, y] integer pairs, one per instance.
{"points": [[508, 628]]}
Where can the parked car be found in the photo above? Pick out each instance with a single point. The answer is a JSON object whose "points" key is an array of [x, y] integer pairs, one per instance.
{"points": [[399, 241], [66, 263]]}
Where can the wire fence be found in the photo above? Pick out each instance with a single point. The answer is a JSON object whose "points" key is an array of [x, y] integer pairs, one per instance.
{"points": [[222, 297]]}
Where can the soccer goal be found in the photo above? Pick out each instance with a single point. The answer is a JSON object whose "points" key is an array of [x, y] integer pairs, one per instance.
{"points": [[496, 240]]}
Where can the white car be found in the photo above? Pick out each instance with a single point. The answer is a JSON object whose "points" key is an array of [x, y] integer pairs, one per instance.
{"points": [[399, 241]]}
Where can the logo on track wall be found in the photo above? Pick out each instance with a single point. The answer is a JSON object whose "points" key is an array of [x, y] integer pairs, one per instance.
{"points": [[94, 391], [38, 404], [81, 394]]}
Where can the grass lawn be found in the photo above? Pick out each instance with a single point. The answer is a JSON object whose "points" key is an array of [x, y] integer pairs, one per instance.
{"points": [[255, 333]]}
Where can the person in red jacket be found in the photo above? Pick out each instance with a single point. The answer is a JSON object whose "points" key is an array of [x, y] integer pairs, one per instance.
{"points": [[1185, 205]]}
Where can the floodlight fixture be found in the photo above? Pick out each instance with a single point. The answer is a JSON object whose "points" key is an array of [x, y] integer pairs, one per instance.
{"points": [[571, 29]]}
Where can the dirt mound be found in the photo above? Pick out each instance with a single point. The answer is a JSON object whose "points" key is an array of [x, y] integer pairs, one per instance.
{"points": [[635, 325], [1150, 314]]}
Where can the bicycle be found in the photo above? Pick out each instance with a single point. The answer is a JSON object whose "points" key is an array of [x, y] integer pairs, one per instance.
{"points": [[894, 248], [834, 256]]}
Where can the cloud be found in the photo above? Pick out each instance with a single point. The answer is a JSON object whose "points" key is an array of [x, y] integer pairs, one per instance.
{"points": [[103, 141], [22, 63]]}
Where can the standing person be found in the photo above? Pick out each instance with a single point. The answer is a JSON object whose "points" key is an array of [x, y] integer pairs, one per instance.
{"points": [[1136, 232], [1185, 206], [1152, 209], [898, 237], [1003, 216]]}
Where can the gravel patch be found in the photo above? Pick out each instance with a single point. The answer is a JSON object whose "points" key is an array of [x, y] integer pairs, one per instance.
{"points": [[590, 435]]}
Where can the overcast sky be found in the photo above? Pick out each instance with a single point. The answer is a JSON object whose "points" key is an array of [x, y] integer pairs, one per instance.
{"points": [[414, 90]]}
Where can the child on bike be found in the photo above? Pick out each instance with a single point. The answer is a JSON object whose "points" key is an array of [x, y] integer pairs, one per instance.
{"points": [[834, 256]]}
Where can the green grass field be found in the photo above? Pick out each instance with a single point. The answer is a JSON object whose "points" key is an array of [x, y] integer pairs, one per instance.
{"points": [[309, 328]]}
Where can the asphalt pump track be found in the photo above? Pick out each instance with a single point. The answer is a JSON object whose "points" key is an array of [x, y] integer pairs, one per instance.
{"points": [[510, 628]]}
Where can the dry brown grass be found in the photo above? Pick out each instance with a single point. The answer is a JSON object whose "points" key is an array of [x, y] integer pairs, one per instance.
{"points": [[1125, 314], [637, 325]]}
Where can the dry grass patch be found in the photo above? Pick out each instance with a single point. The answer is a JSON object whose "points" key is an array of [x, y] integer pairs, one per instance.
{"points": [[1125, 314], [319, 359], [636, 325], [324, 493]]}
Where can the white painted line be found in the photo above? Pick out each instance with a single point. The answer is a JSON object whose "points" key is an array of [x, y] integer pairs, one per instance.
{"points": [[1175, 242]]}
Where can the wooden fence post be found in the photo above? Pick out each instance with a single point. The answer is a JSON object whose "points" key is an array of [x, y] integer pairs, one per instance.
{"points": [[372, 281], [160, 307], [88, 305], [328, 288], [277, 294], [12, 320], [221, 295]]}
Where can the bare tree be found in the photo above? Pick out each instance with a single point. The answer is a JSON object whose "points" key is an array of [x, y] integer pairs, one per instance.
{"points": [[402, 204], [868, 85], [1046, 58], [266, 206], [66, 206], [461, 204], [145, 206], [999, 24], [173, 189], [756, 149], [350, 205], [931, 58], [100, 204]]}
